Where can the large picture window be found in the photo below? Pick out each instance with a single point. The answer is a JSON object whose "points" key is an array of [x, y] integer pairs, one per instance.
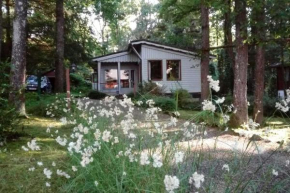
{"points": [[155, 70], [173, 70]]}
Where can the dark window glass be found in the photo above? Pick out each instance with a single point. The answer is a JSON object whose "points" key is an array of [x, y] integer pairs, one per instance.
{"points": [[155, 70], [173, 70]]}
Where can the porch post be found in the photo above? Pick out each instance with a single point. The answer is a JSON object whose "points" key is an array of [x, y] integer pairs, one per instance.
{"points": [[119, 77], [99, 76]]}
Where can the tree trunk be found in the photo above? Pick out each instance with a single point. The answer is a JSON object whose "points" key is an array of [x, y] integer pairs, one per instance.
{"points": [[18, 68], [229, 52], [59, 66], [240, 69], [1, 29], [8, 46], [204, 52], [260, 65]]}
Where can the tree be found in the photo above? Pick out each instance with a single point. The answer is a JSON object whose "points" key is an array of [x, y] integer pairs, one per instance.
{"points": [[241, 64], [229, 52], [259, 17], [59, 65], [1, 28], [204, 64], [18, 68]]}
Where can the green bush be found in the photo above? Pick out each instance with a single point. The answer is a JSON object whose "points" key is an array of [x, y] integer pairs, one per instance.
{"points": [[163, 102], [183, 97], [150, 88], [8, 116], [79, 85], [96, 95]]}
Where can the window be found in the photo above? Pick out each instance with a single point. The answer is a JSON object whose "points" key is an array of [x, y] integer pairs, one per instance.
{"points": [[125, 78], [156, 70], [173, 70], [111, 78]]}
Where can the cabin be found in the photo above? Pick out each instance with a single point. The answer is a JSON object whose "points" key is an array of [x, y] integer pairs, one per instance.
{"points": [[172, 67]]}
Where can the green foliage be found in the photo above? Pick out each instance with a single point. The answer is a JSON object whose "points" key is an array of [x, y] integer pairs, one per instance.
{"points": [[182, 97], [150, 88], [94, 94], [39, 105], [8, 116], [163, 102]]}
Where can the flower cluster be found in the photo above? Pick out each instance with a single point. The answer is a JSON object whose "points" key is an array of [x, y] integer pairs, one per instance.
{"points": [[213, 84]]}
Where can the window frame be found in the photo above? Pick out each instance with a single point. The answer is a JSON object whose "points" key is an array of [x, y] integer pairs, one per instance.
{"points": [[149, 70], [179, 61]]}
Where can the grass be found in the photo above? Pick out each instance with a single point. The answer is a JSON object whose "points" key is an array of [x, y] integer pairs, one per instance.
{"points": [[108, 170], [14, 162]]}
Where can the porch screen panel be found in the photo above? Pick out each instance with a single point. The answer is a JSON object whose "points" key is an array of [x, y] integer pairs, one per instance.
{"points": [[125, 78], [111, 79]]}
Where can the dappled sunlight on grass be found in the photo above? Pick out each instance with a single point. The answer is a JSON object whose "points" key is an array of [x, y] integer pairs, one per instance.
{"points": [[15, 162]]}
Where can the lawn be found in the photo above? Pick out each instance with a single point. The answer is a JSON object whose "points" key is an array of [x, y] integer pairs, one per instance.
{"points": [[15, 162]]}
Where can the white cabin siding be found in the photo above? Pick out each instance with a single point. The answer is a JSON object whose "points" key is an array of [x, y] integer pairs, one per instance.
{"points": [[129, 57], [190, 68]]}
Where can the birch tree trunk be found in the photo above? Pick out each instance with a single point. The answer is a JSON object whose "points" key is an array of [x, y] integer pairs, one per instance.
{"points": [[204, 51], [260, 64], [241, 64], [18, 63], [59, 65]]}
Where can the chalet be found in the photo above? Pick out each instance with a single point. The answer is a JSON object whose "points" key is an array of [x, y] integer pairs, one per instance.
{"points": [[172, 67]]}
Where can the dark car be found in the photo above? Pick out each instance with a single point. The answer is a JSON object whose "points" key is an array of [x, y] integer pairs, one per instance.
{"points": [[32, 84]]}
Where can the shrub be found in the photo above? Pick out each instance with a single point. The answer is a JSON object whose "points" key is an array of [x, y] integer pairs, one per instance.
{"points": [[150, 88], [8, 116], [163, 102], [96, 95], [182, 97], [79, 85]]}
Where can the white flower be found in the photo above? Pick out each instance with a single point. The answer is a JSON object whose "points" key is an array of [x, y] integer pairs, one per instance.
{"points": [[47, 172], [178, 157], [61, 141], [274, 172], [226, 167], [48, 130], [197, 179], [74, 168], [214, 84], [176, 113], [31, 169], [63, 120], [24, 148], [139, 103], [96, 183], [157, 160], [106, 136], [47, 184], [40, 163], [124, 174], [144, 159], [32, 145], [53, 164], [208, 106], [220, 100], [62, 173], [116, 140], [171, 183], [287, 163]]}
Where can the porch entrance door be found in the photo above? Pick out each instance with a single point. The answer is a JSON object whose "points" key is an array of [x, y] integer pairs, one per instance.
{"points": [[128, 81]]}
